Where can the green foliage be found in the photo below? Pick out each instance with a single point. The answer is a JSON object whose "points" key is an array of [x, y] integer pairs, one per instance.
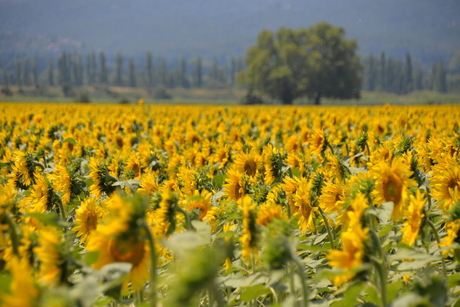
{"points": [[316, 62]]}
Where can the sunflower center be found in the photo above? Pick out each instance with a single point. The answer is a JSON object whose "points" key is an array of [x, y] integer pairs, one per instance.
{"points": [[91, 220], [237, 190], [127, 250], [393, 189], [452, 185], [250, 167]]}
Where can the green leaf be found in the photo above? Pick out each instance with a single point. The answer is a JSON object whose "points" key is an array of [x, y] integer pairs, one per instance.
{"points": [[90, 257], [351, 296], [253, 292], [393, 289], [295, 172], [70, 140], [195, 198], [419, 259], [218, 181], [385, 230], [313, 248], [5, 281], [383, 213], [371, 294], [182, 243], [226, 234]]}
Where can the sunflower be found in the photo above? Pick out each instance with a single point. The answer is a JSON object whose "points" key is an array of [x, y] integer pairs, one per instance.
{"points": [[200, 201], [148, 184], [86, 218], [40, 199], [102, 180], [414, 216], [293, 144], [49, 255], [453, 232], [62, 182], [23, 290], [392, 184], [117, 238], [134, 165], [234, 188], [249, 239], [352, 253], [318, 142], [226, 228], [23, 170], [248, 163], [446, 183], [332, 198], [304, 210], [268, 212]]}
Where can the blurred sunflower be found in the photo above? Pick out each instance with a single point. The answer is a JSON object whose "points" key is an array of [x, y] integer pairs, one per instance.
{"points": [[235, 186], [86, 218], [118, 238], [50, 256], [352, 254], [23, 289], [414, 216], [392, 184], [446, 183]]}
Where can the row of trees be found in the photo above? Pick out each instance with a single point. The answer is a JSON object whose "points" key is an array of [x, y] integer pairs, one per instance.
{"points": [[402, 76], [71, 69], [288, 64]]}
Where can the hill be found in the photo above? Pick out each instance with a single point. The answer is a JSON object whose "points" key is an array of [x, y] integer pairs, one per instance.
{"points": [[429, 30]]}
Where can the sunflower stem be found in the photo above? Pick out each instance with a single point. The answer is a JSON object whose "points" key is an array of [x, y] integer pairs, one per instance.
{"points": [[153, 265], [436, 235], [253, 254], [188, 223], [13, 230], [428, 194], [326, 223], [380, 265], [300, 270]]}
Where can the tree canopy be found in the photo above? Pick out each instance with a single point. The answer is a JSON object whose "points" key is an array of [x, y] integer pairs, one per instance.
{"points": [[316, 62]]}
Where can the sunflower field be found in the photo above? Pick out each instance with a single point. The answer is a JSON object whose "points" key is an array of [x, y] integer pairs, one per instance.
{"points": [[148, 205]]}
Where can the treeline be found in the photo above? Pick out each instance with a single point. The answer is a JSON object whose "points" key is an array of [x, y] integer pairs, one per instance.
{"points": [[70, 69], [402, 76], [73, 69]]}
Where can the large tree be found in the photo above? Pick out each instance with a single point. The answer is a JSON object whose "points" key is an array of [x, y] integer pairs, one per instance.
{"points": [[316, 62]]}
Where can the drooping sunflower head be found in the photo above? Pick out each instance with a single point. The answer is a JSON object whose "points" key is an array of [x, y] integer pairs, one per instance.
{"points": [[102, 180], [23, 168], [446, 184], [51, 257], [250, 237], [318, 142], [235, 186], [392, 184], [414, 217]]}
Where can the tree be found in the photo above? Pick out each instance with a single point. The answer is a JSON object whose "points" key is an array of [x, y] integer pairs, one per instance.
{"points": [[103, 75], [132, 73], [198, 73], [118, 69], [51, 72], [316, 62], [149, 68]]}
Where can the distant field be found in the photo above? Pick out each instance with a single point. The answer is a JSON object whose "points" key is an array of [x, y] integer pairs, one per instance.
{"points": [[217, 96]]}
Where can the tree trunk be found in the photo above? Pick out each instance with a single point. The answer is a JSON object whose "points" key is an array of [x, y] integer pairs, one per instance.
{"points": [[318, 99]]}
